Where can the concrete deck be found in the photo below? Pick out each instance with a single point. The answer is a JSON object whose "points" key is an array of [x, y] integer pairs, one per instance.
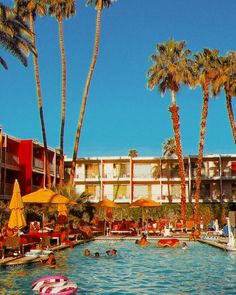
{"points": [[22, 259], [220, 245]]}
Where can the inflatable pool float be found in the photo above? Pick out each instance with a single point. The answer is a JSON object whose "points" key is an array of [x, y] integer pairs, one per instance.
{"points": [[168, 243], [54, 285]]}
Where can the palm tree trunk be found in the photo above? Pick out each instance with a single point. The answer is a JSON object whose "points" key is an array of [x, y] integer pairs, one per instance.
{"points": [[200, 151], [82, 110], [63, 102], [176, 126], [40, 104], [230, 114]]}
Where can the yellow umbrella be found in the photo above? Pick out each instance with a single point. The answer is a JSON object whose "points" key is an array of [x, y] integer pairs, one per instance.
{"points": [[106, 203], [17, 218], [144, 203], [46, 196]]}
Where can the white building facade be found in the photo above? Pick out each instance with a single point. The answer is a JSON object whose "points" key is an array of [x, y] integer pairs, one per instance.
{"points": [[126, 179]]}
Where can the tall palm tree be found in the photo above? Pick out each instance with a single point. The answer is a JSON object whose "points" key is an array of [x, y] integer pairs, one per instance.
{"points": [[28, 9], [14, 36], [99, 5], [205, 70], [62, 9], [169, 150], [226, 79], [171, 68]]}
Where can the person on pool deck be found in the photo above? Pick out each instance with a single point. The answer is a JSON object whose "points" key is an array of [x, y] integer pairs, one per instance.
{"points": [[86, 252], [51, 261]]}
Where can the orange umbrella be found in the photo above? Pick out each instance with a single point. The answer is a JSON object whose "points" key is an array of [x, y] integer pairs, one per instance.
{"points": [[106, 203], [144, 203], [46, 196], [17, 218]]}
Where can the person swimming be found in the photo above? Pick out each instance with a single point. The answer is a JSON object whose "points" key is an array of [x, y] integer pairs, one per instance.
{"points": [[111, 252], [86, 252], [50, 262], [184, 246], [143, 241], [96, 254]]}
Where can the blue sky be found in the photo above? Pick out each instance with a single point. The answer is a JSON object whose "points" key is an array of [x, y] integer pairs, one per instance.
{"points": [[121, 113]]}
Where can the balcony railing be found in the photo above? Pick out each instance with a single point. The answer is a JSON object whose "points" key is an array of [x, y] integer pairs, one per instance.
{"points": [[37, 163], [6, 188], [11, 159]]}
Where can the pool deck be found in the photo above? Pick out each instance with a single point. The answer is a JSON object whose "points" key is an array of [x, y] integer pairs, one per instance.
{"points": [[218, 244], [22, 259]]}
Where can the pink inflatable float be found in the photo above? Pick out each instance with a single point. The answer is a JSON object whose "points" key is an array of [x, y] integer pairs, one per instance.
{"points": [[54, 285]]}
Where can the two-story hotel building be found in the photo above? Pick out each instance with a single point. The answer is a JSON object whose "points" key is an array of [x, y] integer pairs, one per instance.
{"points": [[125, 179], [23, 159]]}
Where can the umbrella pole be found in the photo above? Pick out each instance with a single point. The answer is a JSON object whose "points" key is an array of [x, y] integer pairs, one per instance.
{"points": [[105, 223]]}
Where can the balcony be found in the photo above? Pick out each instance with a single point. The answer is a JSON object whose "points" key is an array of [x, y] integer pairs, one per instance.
{"points": [[10, 159], [38, 164], [92, 175], [6, 188]]}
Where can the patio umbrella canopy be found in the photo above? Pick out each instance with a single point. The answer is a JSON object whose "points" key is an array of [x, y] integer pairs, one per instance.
{"points": [[17, 218], [106, 203], [46, 196], [144, 203]]}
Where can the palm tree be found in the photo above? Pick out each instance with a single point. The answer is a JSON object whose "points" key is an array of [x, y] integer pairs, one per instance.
{"points": [[28, 9], [83, 206], [205, 69], [169, 150], [14, 35], [133, 153], [171, 68], [99, 5], [225, 78], [62, 9]]}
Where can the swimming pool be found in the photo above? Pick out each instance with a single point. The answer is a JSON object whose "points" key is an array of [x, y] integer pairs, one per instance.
{"points": [[201, 269]]}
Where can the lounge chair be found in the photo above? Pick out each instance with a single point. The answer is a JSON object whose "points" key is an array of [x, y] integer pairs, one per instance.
{"points": [[13, 244], [45, 242]]}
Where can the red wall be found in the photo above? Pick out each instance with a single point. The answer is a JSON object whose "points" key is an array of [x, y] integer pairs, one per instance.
{"points": [[25, 161]]}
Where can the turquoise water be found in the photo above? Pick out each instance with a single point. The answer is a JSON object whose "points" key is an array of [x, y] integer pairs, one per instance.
{"points": [[201, 269]]}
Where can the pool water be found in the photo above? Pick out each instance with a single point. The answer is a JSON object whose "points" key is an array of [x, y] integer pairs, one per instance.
{"points": [[201, 269]]}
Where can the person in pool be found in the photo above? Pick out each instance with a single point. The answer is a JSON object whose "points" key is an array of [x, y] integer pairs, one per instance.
{"points": [[143, 241], [111, 252], [184, 246], [51, 261], [86, 252], [96, 254]]}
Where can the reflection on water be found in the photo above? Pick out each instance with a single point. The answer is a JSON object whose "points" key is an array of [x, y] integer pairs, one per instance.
{"points": [[135, 270]]}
